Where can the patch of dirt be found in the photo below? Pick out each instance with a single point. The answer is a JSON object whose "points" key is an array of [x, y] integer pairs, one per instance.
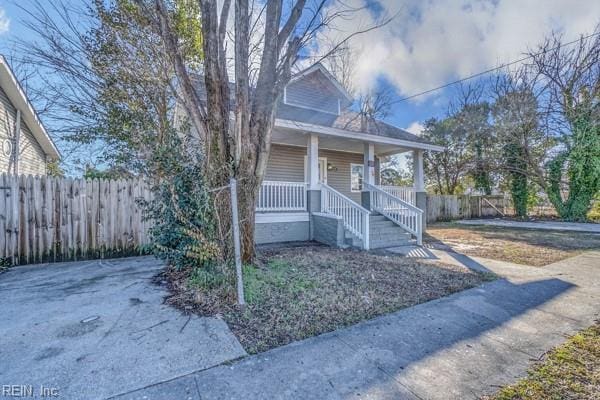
{"points": [[522, 246], [295, 293]]}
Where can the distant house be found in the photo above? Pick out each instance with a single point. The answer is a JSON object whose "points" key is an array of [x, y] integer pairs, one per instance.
{"points": [[25, 146], [322, 180]]}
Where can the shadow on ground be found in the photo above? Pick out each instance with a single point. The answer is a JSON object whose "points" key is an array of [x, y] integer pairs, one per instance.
{"points": [[461, 346]]}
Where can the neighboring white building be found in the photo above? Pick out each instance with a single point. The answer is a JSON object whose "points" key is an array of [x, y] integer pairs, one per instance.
{"points": [[25, 146]]}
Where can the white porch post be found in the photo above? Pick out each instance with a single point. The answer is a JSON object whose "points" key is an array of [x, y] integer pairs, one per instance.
{"points": [[418, 175], [313, 162], [313, 200], [369, 164], [368, 174], [419, 185]]}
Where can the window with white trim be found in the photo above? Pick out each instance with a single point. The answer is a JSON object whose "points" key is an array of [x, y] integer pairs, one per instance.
{"points": [[7, 147], [356, 177]]}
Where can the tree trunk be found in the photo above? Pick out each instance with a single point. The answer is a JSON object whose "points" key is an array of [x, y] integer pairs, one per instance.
{"points": [[240, 149]]}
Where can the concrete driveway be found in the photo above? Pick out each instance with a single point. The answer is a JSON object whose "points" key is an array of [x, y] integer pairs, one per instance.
{"points": [[95, 329]]}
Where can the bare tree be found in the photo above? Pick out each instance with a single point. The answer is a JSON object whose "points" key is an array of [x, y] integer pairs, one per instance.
{"points": [[240, 146], [371, 105], [55, 70]]}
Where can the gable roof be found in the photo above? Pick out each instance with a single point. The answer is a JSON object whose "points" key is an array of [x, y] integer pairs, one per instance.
{"points": [[318, 68], [18, 98]]}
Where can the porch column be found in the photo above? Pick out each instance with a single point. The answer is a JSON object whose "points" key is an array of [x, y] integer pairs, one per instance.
{"points": [[312, 150], [369, 174], [313, 201], [419, 183]]}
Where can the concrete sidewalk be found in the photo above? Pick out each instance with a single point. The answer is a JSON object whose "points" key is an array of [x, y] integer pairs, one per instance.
{"points": [[547, 225], [461, 346]]}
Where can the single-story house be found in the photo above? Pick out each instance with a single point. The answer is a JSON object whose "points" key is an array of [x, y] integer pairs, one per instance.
{"points": [[25, 146], [322, 180]]}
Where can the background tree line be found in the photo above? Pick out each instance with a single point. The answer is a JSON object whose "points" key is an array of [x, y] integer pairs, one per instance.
{"points": [[530, 129]]}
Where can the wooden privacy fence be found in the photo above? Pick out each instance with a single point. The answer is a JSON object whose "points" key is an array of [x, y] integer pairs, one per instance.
{"points": [[46, 219], [452, 207]]}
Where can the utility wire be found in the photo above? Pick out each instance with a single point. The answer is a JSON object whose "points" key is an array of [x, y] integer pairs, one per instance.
{"points": [[493, 69]]}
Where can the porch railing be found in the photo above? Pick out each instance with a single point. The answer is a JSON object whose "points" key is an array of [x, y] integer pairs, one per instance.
{"points": [[401, 212], [281, 196], [404, 193], [354, 216]]}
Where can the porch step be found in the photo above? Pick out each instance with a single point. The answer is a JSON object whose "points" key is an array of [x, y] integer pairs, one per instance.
{"points": [[351, 240], [385, 233], [390, 242]]}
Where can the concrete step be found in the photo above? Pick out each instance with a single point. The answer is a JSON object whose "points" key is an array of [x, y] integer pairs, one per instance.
{"points": [[382, 244], [382, 223], [377, 217], [352, 241], [391, 233], [388, 233], [387, 227], [382, 233]]}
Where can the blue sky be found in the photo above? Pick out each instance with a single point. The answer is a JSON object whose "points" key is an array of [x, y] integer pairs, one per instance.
{"points": [[428, 43]]}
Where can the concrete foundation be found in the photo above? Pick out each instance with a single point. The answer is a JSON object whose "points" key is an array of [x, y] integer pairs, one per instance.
{"points": [[275, 232], [313, 200], [328, 229]]}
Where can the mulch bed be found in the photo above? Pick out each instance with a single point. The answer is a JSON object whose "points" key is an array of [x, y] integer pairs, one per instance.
{"points": [[295, 293]]}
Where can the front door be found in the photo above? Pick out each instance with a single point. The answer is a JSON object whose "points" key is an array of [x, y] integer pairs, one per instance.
{"points": [[322, 169]]}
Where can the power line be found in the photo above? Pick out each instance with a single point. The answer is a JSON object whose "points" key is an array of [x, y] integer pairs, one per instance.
{"points": [[493, 69]]}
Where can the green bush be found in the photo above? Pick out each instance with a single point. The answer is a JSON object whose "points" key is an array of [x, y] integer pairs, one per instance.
{"points": [[184, 226], [5, 264]]}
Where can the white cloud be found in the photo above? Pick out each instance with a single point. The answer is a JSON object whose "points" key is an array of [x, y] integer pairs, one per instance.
{"points": [[432, 42], [416, 128], [4, 22]]}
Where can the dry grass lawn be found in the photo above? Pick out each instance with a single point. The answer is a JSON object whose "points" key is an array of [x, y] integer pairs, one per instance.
{"points": [[521, 246], [295, 293], [570, 371]]}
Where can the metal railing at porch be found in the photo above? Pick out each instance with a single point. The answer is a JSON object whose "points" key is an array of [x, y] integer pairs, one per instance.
{"points": [[277, 196], [354, 216], [401, 212], [404, 193]]}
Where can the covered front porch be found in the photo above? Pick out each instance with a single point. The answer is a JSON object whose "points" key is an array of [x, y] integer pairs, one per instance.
{"points": [[315, 177]]}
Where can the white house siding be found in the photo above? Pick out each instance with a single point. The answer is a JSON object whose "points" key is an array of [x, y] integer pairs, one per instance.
{"points": [[339, 177], [286, 163], [32, 159]]}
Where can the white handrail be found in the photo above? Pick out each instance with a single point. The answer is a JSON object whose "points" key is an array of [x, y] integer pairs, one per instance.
{"points": [[353, 215], [401, 212], [405, 193], [282, 196]]}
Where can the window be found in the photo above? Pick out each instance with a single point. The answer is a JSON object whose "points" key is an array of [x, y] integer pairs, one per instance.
{"points": [[6, 146], [356, 177]]}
